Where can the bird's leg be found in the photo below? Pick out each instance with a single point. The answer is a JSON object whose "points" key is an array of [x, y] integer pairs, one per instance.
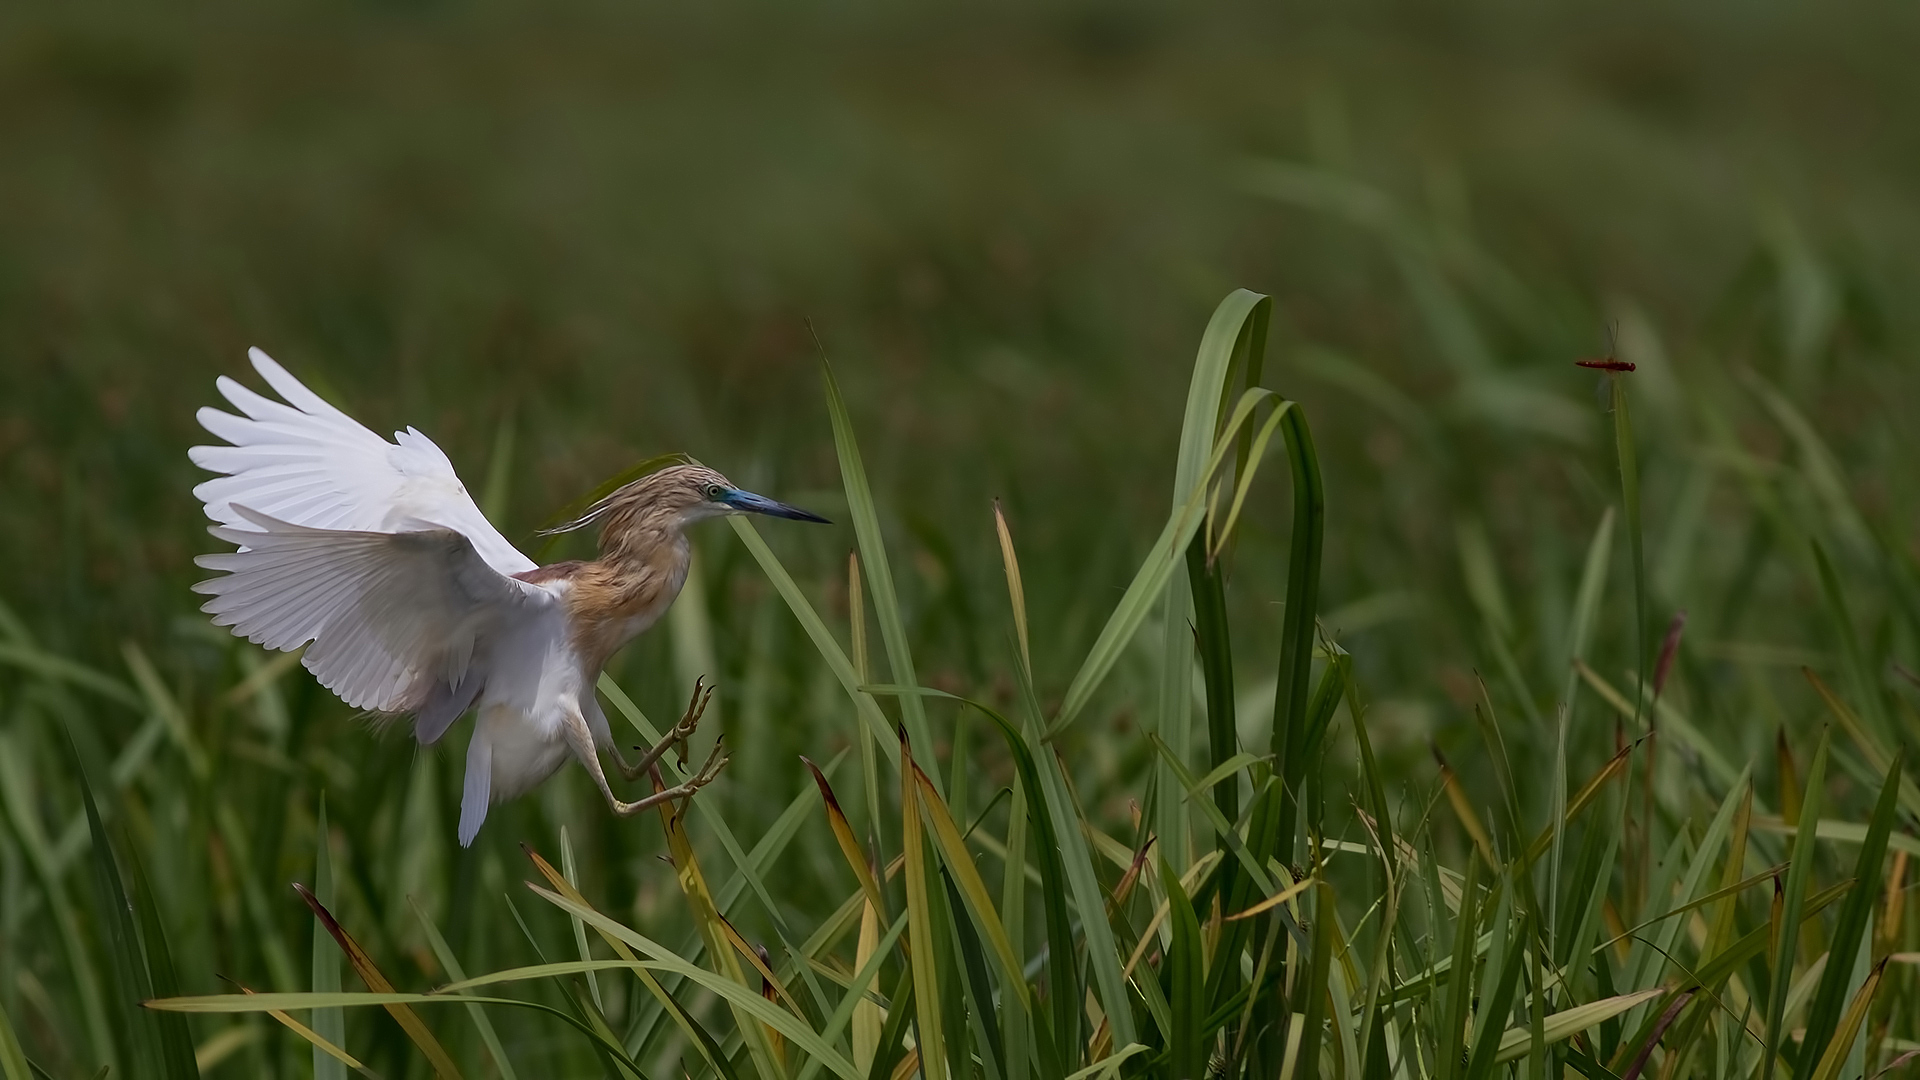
{"points": [[581, 739], [682, 731]]}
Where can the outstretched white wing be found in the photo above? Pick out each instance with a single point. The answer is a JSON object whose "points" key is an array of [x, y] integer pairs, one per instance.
{"points": [[307, 463], [395, 618]]}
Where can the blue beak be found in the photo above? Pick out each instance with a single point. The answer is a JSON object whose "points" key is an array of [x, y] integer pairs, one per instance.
{"points": [[760, 504]]}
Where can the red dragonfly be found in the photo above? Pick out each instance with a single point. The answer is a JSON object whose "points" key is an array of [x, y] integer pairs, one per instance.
{"points": [[1607, 362]]}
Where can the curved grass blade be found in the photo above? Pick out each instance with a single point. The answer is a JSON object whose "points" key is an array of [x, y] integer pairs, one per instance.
{"points": [[278, 1005], [709, 1047], [740, 997], [1792, 902], [451, 964], [1823, 1015], [818, 633], [873, 558], [1835, 1058]]}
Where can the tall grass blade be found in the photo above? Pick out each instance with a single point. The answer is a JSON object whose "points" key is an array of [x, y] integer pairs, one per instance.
{"points": [[1792, 901], [330, 1024], [1237, 328], [1837, 1052], [818, 633], [1823, 1014], [1290, 721], [920, 925], [873, 558], [1186, 976]]}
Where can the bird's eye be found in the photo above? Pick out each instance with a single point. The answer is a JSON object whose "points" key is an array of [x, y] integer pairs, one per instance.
{"points": [[714, 491]]}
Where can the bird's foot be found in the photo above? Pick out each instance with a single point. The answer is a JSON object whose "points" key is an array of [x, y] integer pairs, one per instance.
{"points": [[677, 736], [716, 761]]}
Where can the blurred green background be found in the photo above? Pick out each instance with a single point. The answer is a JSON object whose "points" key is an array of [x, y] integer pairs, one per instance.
{"points": [[562, 237]]}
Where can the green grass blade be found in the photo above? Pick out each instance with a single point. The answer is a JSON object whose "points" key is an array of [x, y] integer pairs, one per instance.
{"points": [[984, 1020], [1230, 334], [174, 1041], [1186, 977], [1290, 719], [13, 1060], [135, 1042], [873, 561], [920, 928], [329, 1024], [457, 974], [1799, 875], [1829, 1001], [818, 633], [1630, 503]]}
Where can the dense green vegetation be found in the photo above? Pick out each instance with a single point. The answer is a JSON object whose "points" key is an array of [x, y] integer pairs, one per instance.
{"points": [[1448, 712]]}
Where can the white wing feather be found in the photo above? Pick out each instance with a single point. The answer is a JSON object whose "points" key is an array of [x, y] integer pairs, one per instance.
{"points": [[393, 617], [307, 463]]}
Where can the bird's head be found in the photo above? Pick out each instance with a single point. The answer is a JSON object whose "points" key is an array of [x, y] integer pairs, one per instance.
{"points": [[694, 493], [676, 497]]}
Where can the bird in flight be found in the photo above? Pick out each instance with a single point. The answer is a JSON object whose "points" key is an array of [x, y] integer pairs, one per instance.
{"points": [[372, 555]]}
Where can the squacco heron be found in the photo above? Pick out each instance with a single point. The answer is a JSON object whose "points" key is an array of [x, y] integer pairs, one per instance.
{"points": [[373, 556]]}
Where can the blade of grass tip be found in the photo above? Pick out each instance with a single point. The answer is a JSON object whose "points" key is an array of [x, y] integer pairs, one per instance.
{"points": [[1016, 591], [369, 973], [1791, 902], [1823, 1015], [922, 958], [849, 846], [817, 632], [330, 1024], [455, 972], [572, 874], [866, 530]]}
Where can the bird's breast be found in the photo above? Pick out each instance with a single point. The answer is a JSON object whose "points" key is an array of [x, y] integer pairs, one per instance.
{"points": [[609, 609]]}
